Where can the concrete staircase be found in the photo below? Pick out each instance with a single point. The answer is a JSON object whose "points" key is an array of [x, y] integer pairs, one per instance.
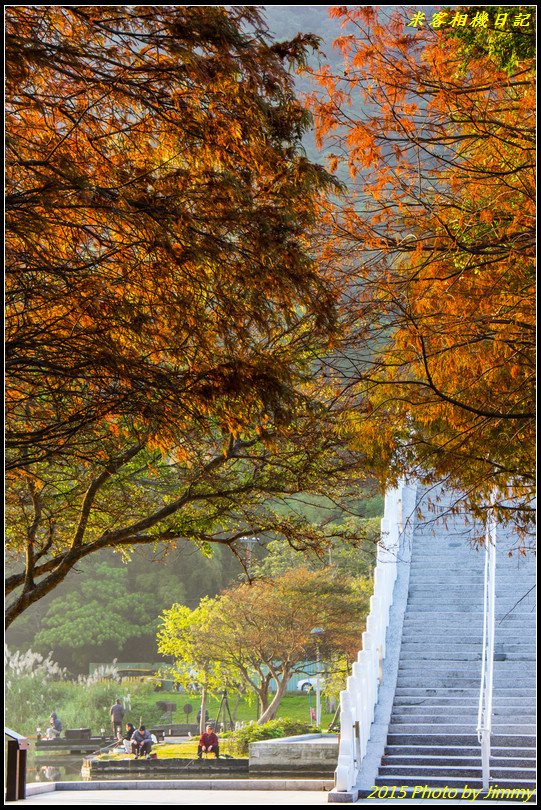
{"points": [[432, 737]]}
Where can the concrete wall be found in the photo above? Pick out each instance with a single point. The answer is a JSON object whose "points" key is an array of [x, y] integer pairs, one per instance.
{"points": [[308, 753]]}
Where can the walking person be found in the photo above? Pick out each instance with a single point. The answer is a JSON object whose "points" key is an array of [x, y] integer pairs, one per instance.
{"points": [[117, 713]]}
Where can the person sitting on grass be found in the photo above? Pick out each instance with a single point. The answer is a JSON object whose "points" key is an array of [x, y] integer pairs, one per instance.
{"points": [[141, 742], [208, 743]]}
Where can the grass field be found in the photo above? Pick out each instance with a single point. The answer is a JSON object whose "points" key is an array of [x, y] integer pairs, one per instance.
{"points": [[295, 706]]}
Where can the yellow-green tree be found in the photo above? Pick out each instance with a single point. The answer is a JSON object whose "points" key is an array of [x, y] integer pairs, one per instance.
{"points": [[260, 633]]}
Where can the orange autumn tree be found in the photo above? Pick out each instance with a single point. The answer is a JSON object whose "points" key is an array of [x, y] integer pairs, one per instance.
{"points": [[436, 240], [164, 309], [158, 207]]}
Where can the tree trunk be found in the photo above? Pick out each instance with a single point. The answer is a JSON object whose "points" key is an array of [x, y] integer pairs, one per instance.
{"points": [[263, 693], [202, 720], [270, 713], [236, 708]]}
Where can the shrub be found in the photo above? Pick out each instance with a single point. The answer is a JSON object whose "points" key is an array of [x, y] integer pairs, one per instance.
{"points": [[274, 729], [36, 686]]}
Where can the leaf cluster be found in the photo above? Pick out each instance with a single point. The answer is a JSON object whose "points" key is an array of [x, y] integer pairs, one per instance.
{"points": [[436, 238]]}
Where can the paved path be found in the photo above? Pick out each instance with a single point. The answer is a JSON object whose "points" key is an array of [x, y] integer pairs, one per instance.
{"points": [[216, 798]]}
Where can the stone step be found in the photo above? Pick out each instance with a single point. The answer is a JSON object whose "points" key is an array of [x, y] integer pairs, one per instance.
{"points": [[456, 604], [448, 680], [460, 716], [451, 691], [458, 691], [457, 751], [471, 608], [471, 568], [401, 737], [520, 602], [499, 666], [426, 648], [504, 621], [432, 573], [450, 656], [469, 709], [524, 575], [440, 783], [439, 646], [453, 682], [460, 728], [424, 568], [439, 705], [469, 590], [438, 636], [419, 606], [427, 551], [429, 581], [472, 667], [451, 760], [465, 772], [419, 632], [474, 630], [420, 772]]}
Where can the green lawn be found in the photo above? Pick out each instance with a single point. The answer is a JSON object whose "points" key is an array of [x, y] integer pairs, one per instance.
{"points": [[295, 706], [187, 750]]}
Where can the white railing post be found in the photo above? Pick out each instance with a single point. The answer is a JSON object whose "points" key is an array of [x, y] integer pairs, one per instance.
{"points": [[345, 771]]}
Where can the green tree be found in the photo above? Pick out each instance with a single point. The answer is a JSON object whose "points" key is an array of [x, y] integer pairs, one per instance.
{"points": [[506, 45], [355, 557], [65, 621], [108, 609], [185, 635]]}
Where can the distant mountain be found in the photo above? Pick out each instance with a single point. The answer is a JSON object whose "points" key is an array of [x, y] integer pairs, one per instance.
{"points": [[284, 23]]}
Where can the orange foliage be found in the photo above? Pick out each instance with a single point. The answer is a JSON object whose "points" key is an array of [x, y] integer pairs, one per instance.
{"points": [[436, 239], [162, 297], [159, 214]]}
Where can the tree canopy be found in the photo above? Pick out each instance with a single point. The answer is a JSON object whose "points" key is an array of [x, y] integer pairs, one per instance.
{"points": [[165, 313], [262, 632], [437, 241], [158, 207]]}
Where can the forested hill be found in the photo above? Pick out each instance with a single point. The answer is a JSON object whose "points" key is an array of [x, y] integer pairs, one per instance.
{"points": [[287, 21]]}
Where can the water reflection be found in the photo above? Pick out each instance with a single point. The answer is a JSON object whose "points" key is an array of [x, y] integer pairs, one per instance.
{"points": [[48, 773], [68, 768], [61, 768]]}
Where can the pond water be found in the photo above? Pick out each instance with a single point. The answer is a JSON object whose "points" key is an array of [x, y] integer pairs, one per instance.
{"points": [[67, 768], [54, 767]]}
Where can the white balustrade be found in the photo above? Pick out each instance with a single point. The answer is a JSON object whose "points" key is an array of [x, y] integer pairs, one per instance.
{"points": [[484, 719], [358, 700]]}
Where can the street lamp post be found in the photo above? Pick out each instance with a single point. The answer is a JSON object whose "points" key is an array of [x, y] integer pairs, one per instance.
{"points": [[249, 543], [317, 632]]}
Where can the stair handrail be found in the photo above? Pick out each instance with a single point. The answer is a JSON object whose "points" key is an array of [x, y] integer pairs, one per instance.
{"points": [[484, 715], [358, 700]]}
